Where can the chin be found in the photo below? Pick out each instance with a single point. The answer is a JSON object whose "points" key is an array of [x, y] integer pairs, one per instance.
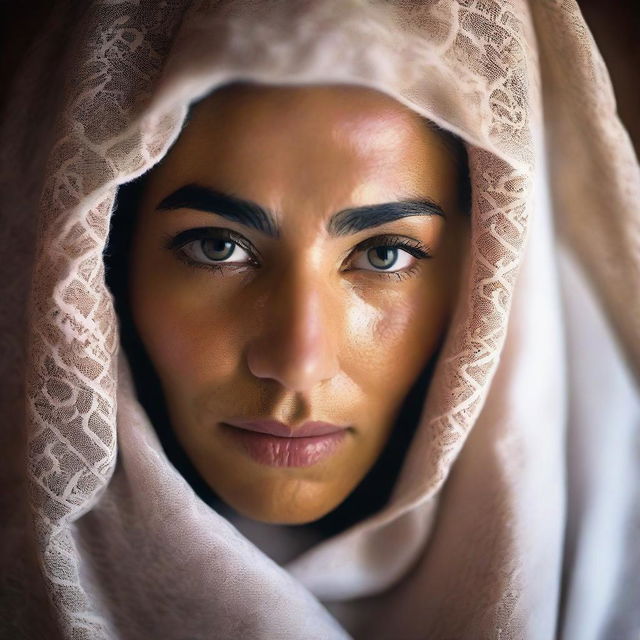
{"points": [[292, 507], [285, 515], [283, 518]]}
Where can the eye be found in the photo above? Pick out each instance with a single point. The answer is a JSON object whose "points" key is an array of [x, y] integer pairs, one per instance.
{"points": [[209, 250], [384, 259], [389, 254], [211, 247]]}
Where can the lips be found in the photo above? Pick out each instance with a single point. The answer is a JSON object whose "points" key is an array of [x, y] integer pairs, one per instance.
{"points": [[276, 444]]}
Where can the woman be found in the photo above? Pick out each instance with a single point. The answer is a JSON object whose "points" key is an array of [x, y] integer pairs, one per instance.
{"points": [[520, 321]]}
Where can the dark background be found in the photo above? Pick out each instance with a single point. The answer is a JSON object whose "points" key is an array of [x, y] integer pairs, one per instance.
{"points": [[615, 25]]}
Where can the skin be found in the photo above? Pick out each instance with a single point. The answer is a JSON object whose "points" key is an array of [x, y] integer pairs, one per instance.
{"points": [[312, 331]]}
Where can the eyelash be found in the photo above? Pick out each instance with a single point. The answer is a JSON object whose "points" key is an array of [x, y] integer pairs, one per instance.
{"points": [[176, 242], [411, 246]]}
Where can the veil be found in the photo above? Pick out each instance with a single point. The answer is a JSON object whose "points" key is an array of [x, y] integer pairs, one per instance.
{"points": [[516, 510]]}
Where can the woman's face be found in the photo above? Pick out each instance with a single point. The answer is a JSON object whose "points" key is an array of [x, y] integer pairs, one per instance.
{"points": [[293, 267]]}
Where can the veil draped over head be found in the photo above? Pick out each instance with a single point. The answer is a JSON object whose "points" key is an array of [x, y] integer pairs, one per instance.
{"points": [[516, 511]]}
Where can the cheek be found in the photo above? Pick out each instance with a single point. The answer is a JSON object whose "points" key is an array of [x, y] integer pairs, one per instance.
{"points": [[394, 324], [392, 337], [187, 332]]}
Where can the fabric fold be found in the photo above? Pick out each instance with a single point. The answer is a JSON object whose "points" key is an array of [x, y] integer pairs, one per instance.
{"points": [[515, 511]]}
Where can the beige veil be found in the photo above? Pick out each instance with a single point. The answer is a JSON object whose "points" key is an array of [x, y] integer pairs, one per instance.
{"points": [[517, 510]]}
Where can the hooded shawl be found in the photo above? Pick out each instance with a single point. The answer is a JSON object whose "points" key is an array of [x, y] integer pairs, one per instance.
{"points": [[516, 511]]}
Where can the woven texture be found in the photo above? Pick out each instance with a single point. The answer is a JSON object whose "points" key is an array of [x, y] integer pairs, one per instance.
{"points": [[500, 514]]}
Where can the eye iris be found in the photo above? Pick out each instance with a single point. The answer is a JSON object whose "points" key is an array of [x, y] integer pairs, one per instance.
{"points": [[217, 249], [383, 257]]}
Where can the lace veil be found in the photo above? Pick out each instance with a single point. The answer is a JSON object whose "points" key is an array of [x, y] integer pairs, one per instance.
{"points": [[517, 509]]}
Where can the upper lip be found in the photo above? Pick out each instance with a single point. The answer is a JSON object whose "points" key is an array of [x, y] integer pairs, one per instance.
{"points": [[277, 428]]}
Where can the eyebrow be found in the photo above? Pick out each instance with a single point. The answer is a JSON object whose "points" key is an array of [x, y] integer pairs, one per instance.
{"points": [[251, 214]]}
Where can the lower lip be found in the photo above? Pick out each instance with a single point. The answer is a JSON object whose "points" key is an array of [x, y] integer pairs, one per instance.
{"points": [[275, 451]]}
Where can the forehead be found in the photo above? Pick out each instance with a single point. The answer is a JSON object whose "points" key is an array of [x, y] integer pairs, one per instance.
{"points": [[332, 145]]}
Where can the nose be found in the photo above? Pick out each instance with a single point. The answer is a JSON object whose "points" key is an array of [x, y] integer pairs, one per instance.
{"points": [[297, 345]]}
